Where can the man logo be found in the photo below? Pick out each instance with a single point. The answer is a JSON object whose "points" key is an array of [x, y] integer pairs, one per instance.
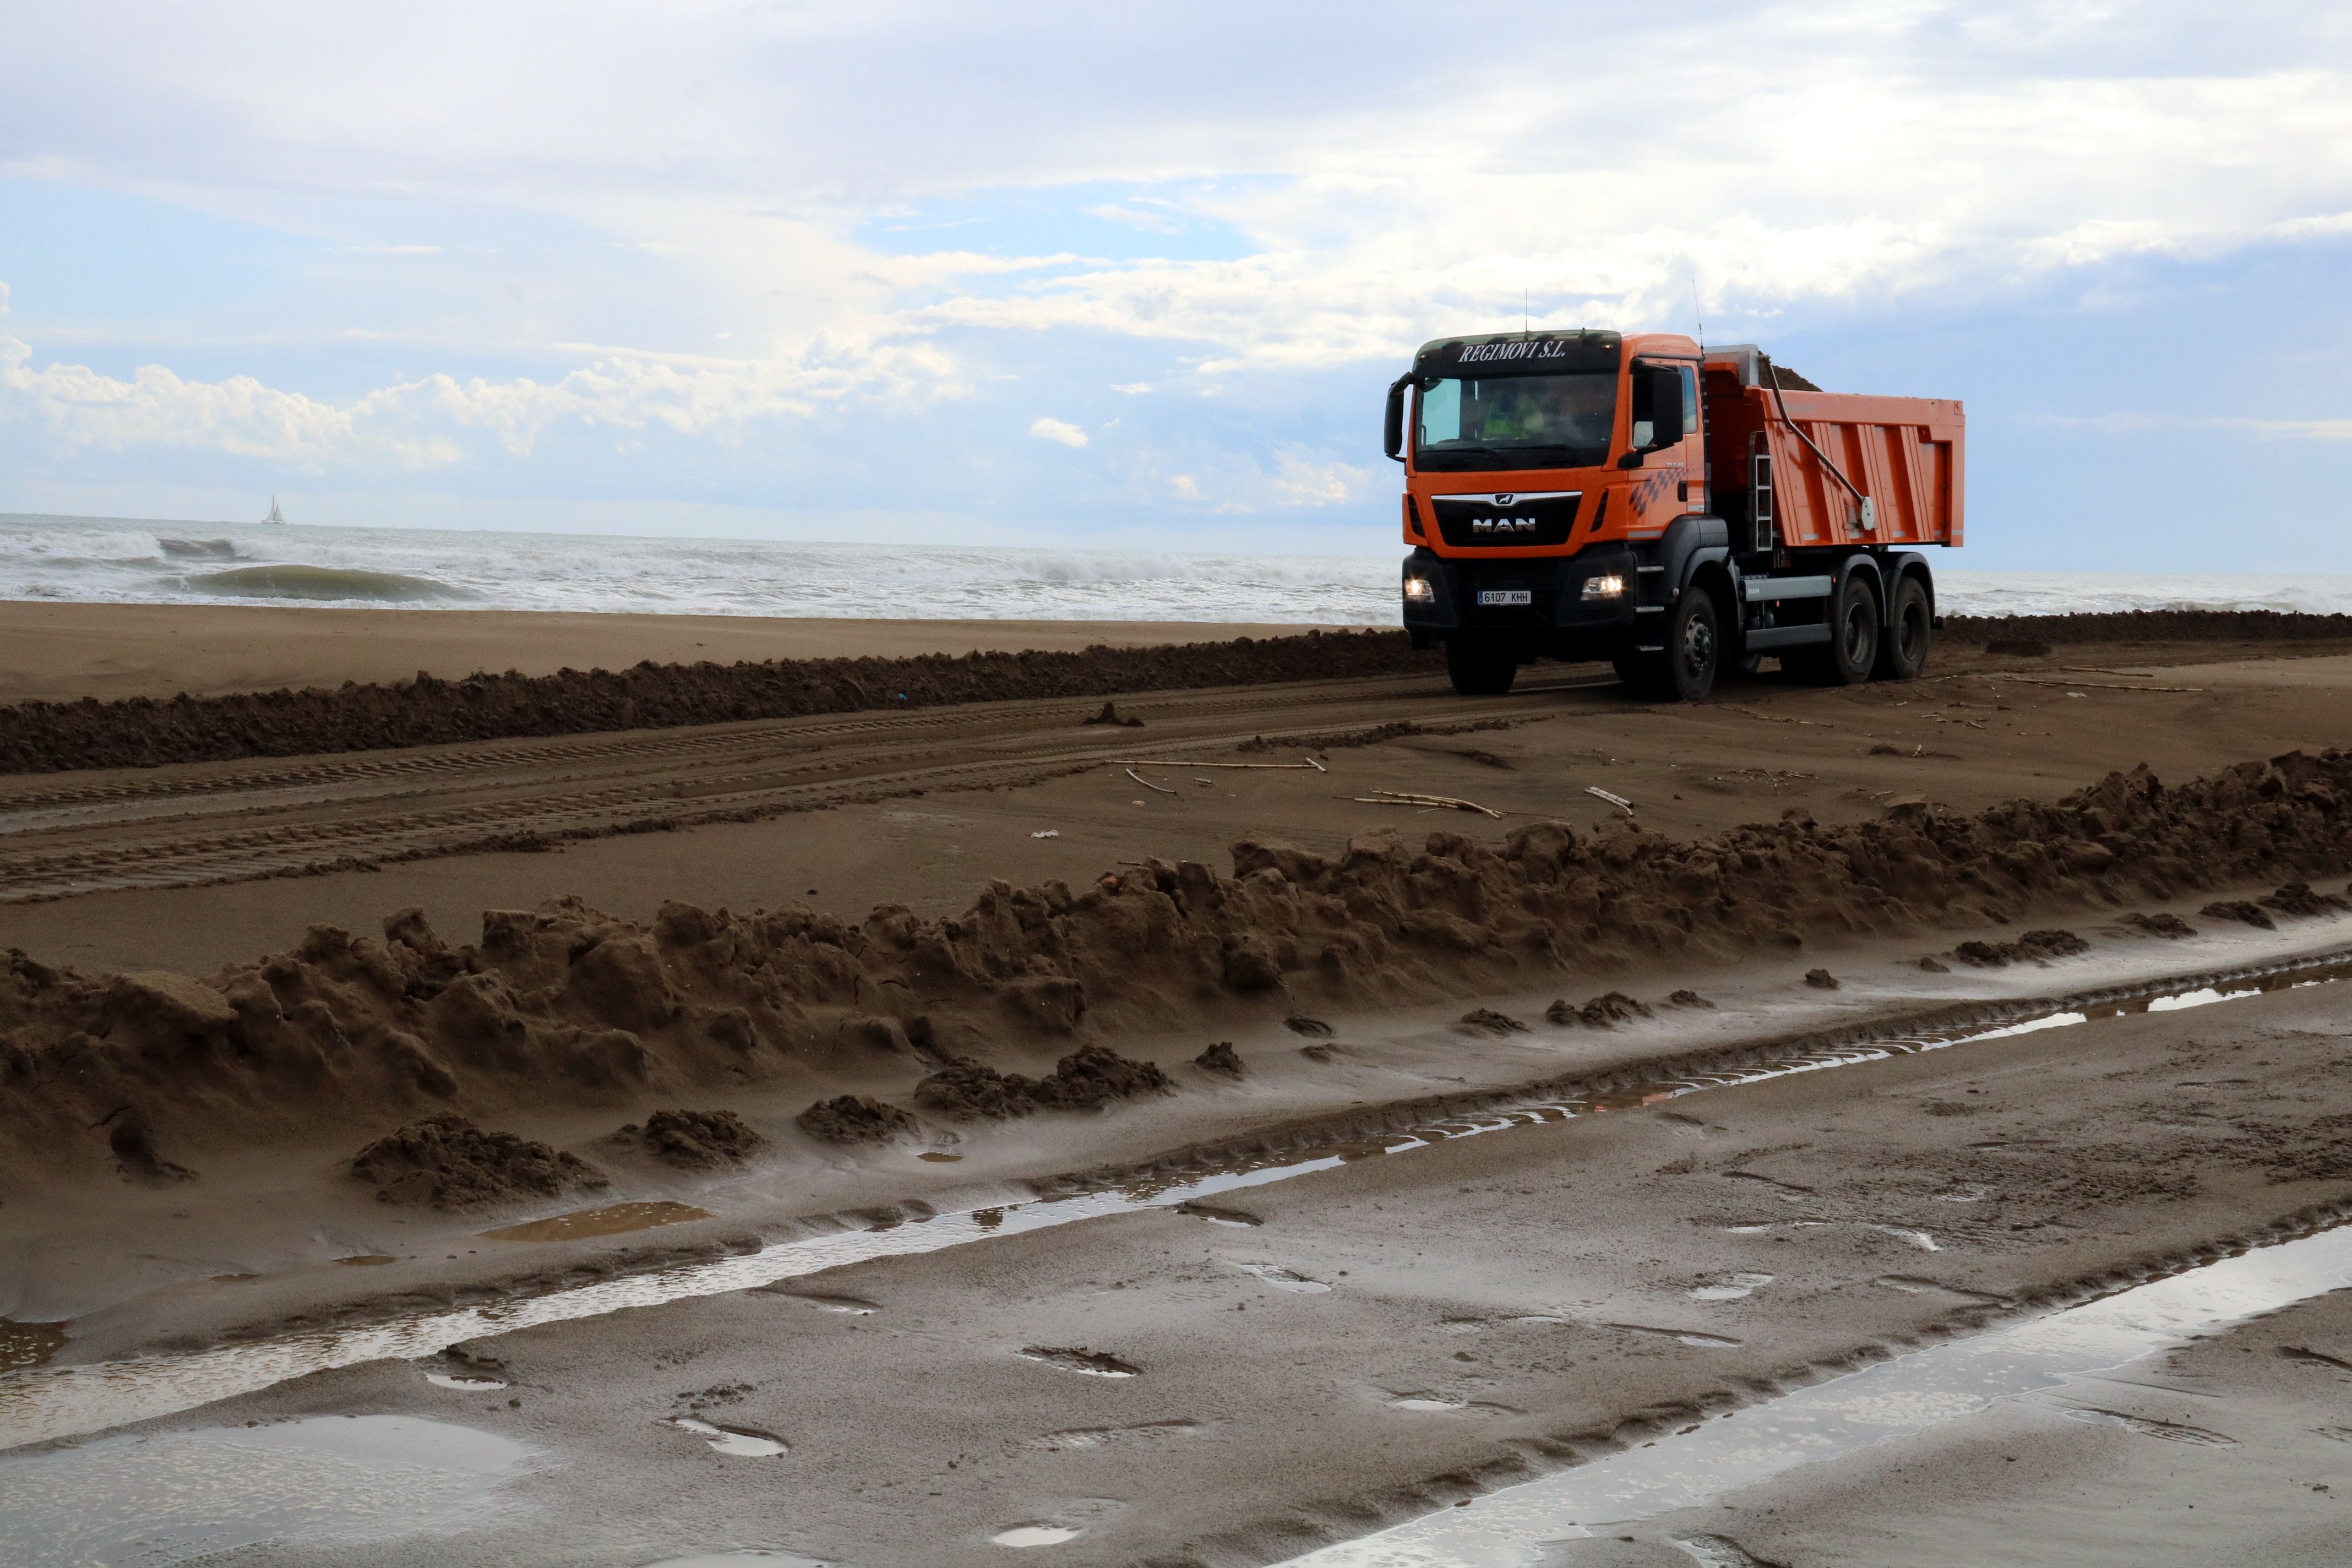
{"points": [[1502, 525]]}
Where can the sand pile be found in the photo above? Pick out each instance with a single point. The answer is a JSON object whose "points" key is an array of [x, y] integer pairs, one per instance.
{"points": [[1087, 1077], [855, 1118], [697, 1140], [448, 1161], [46, 737], [2151, 626], [566, 1006], [2033, 947]]}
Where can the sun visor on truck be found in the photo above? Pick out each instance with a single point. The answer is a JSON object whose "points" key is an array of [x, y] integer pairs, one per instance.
{"points": [[1519, 353]]}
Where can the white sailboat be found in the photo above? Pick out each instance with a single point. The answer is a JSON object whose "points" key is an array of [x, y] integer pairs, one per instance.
{"points": [[274, 515]]}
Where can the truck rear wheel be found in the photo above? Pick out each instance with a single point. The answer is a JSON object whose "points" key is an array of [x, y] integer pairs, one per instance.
{"points": [[1686, 669], [1480, 667], [1852, 650], [1902, 652]]}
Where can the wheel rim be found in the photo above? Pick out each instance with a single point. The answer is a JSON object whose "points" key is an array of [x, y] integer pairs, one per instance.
{"points": [[1698, 647]]}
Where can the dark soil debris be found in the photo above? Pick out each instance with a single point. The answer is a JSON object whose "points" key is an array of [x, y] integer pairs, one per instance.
{"points": [[2240, 910], [1487, 1021]]}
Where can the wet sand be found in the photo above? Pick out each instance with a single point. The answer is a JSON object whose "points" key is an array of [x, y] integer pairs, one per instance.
{"points": [[1528, 1294]]}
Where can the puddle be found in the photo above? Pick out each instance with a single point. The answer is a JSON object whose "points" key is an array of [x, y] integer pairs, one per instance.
{"points": [[1732, 1289], [29, 1345], [1035, 1535], [463, 1385], [38, 1404], [367, 1259], [936, 1158], [728, 1441], [612, 1219], [1216, 1215], [1078, 1359], [233, 1279], [1283, 1279], [1513, 1528], [173, 1497]]}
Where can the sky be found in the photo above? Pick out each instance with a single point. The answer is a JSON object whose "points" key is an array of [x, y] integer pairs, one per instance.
{"points": [[1087, 275]]}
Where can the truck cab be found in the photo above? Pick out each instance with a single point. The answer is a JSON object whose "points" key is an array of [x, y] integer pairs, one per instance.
{"points": [[1677, 512]]}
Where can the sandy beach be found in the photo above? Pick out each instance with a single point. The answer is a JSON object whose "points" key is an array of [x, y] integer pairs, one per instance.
{"points": [[992, 1115], [64, 652]]}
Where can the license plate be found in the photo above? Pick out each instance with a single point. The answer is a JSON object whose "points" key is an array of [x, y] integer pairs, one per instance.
{"points": [[1506, 596]]}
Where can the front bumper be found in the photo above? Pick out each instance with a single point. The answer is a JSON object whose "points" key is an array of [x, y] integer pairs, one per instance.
{"points": [[1558, 621]]}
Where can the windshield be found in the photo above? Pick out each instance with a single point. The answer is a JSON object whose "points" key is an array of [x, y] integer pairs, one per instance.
{"points": [[1517, 421]]}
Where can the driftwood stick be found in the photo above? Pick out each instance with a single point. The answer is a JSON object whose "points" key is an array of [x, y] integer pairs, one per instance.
{"points": [[1619, 801], [1403, 797], [1147, 783], [1262, 767]]}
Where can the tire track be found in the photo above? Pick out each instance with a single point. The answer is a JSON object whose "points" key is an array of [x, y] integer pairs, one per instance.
{"points": [[212, 822]]}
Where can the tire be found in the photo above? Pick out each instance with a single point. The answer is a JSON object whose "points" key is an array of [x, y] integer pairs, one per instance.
{"points": [[1687, 670], [1852, 650], [1903, 649], [1480, 667]]}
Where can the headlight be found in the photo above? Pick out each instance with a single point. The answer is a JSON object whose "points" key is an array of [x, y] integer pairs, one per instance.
{"points": [[1610, 585], [1420, 591]]}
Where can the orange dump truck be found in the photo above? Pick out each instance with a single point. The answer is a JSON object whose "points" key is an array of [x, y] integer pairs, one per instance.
{"points": [[1674, 510]]}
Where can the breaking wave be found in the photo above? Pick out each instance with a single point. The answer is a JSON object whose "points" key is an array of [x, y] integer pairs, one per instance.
{"points": [[330, 584]]}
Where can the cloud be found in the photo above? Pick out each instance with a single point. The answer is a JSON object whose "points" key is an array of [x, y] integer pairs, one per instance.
{"points": [[2265, 429], [1135, 217], [1132, 388], [420, 421], [1067, 434]]}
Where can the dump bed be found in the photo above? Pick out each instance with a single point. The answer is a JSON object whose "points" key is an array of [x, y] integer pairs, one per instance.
{"points": [[1903, 453]]}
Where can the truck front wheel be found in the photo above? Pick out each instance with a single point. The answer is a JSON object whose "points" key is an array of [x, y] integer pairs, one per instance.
{"points": [[1480, 667], [1686, 669], [1902, 652]]}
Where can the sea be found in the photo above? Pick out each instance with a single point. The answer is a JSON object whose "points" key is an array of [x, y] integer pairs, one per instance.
{"points": [[149, 561]]}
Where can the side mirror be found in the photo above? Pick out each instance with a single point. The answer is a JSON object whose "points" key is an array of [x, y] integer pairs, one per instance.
{"points": [[1665, 405], [1393, 428]]}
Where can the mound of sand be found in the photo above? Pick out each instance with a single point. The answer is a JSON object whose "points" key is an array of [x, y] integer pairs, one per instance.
{"points": [[566, 1006], [1220, 1057], [2033, 947], [855, 1118], [448, 1161], [1087, 1077], [45, 737], [1604, 1010], [697, 1140]]}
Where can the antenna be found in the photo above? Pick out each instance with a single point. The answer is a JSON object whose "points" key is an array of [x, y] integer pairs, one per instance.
{"points": [[1527, 313], [1697, 314]]}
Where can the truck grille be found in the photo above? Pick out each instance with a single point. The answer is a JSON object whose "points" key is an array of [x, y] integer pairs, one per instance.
{"points": [[1506, 518]]}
